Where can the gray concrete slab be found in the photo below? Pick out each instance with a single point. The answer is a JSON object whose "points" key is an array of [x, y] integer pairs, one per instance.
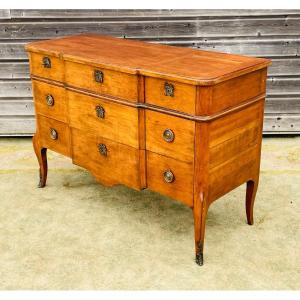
{"points": [[78, 234]]}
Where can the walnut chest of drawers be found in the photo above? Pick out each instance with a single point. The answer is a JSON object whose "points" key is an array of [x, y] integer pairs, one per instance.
{"points": [[185, 123]]}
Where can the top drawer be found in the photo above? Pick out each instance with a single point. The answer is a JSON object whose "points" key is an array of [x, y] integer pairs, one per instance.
{"points": [[102, 81], [46, 66], [172, 95]]}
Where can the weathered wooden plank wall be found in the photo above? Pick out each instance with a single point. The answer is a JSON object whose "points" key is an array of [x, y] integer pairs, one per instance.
{"points": [[265, 33]]}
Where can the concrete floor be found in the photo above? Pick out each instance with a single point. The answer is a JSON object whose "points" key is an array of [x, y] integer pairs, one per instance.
{"points": [[77, 234]]}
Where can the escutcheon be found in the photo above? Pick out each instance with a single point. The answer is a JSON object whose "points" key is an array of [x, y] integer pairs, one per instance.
{"points": [[98, 75], [46, 62], [100, 111], [102, 149], [169, 89]]}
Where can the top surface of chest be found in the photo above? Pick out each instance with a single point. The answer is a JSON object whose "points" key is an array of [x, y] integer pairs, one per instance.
{"points": [[136, 57]]}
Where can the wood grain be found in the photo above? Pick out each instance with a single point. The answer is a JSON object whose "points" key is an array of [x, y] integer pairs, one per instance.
{"points": [[232, 92], [62, 143], [17, 125], [213, 143], [182, 147], [119, 166], [231, 125], [120, 122], [144, 14], [13, 70], [282, 123], [15, 89], [56, 71], [243, 166], [183, 100], [12, 108], [264, 33], [115, 84], [59, 110], [23, 125], [181, 188], [240, 142], [280, 67], [140, 28], [139, 57]]}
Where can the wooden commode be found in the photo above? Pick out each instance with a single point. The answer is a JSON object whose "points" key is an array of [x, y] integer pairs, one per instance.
{"points": [[185, 123]]}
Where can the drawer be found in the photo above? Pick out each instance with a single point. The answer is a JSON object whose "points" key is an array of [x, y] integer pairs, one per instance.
{"points": [[46, 66], [54, 135], [110, 162], [170, 177], [110, 120], [170, 136], [50, 100], [172, 95], [102, 81]]}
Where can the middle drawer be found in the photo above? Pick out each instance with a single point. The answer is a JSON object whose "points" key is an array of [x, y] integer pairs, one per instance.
{"points": [[110, 120], [50, 100], [170, 136]]}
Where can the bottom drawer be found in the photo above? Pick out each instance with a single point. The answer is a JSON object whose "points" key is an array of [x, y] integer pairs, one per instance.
{"points": [[110, 162], [54, 135], [170, 177]]}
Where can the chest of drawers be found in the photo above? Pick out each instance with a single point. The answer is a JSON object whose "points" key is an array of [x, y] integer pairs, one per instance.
{"points": [[185, 123]]}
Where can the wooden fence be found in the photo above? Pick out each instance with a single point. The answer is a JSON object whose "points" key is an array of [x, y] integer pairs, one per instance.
{"points": [[273, 34]]}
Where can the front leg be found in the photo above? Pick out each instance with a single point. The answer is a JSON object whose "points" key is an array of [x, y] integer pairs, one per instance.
{"points": [[200, 211], [41, 154]]}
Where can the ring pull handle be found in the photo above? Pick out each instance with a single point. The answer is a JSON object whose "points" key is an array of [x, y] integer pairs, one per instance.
{"points": [[53, 134], [169, 89], [168, 176], [98, 76], [46, 62], [168, 135], [102, 149], [49, 100], [100, 112]]}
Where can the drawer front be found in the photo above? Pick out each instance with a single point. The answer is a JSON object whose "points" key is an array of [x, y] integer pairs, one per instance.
{"points": [[110, 120], [50, 100], [110, 162], [102, 81], [170, 136], [170, 177], [169, 94], [54, 135], [46, 66]]}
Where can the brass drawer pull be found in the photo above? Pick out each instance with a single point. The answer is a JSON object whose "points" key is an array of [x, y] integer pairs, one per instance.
{"points": [[169, 89], [168, 135], [46, 62], [100, 111], [102, 149], [53, 134], [49, 100], [98, 75], [169, 176]]}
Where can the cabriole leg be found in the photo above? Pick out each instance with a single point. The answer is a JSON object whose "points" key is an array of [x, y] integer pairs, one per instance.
{"points": [[41, 154], [250, 197]]}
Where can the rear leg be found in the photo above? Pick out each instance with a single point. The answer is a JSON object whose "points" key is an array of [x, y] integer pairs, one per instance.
{"points": [[250, 198]]}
